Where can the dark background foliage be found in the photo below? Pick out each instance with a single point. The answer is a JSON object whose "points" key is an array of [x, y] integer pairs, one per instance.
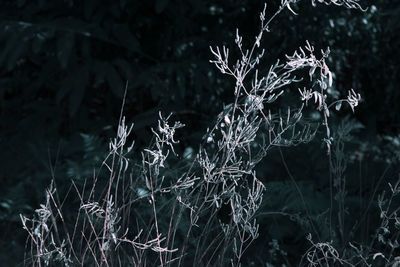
{"points": [[64, 65]]}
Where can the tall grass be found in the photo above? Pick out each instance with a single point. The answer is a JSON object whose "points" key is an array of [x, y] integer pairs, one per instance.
{"points": [[147, 212]]}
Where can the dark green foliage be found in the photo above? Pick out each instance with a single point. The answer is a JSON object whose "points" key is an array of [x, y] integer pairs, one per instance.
{"points": [[64, 65]]}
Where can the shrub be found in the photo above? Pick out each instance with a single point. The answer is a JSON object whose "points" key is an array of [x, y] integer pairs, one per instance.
{"points": [[202, 209]]}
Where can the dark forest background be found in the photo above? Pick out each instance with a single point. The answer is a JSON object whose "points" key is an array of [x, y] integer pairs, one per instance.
{"points": [[64, 65]]}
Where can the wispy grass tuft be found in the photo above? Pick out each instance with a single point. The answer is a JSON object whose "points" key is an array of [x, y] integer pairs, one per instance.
{"points": [[204, 214]]}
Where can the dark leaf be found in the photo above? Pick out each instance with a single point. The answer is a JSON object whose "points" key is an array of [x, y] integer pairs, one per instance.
{"points": [[37, 44], [20, 3], [114, 80], [14, 55], [88, 7], [11, 43], [79, 82], [161, 5], [181, 84], [125, 37], [65, 45], [122, 3]]}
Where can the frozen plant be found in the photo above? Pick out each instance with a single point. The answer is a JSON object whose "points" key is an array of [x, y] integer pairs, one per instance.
{"points": [[41, 233], [205, 213]]}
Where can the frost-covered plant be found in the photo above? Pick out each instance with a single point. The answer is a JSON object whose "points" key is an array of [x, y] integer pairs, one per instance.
{"points": [[41, 230], [232, 148], [204, 213], [381, 251], [388, 231], [322, 254]]}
